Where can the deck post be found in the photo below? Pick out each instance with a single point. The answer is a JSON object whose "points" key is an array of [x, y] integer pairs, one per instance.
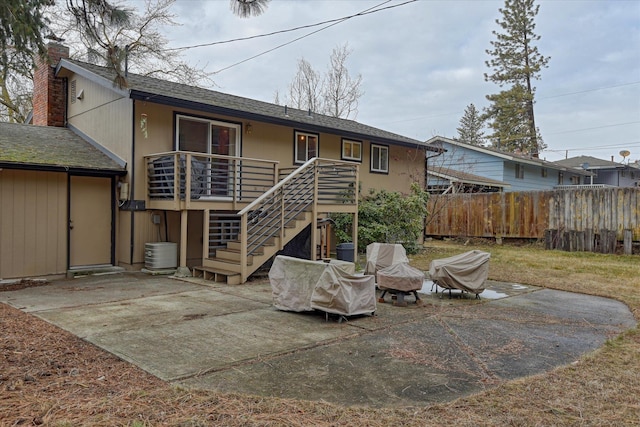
{"points": [[314, 212], [183, 270], [356, 200], [205, 233], [244, 238]]}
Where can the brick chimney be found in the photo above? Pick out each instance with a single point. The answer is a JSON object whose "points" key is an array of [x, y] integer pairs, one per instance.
{"points": [[49, 98]]}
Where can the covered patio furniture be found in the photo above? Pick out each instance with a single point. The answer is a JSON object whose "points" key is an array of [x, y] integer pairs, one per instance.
{"points": [[466, 272], [400, 279], [339, 292], [304, 285], [382, 255]]}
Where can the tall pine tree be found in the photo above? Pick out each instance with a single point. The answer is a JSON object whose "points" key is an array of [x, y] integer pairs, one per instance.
{"points": [[515, 62], [470, 128]]}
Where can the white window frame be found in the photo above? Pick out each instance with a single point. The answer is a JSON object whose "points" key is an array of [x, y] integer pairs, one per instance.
{"points": [[350, 143], [297, 159], [379, 148], [237, 145], [519, 171], [211, 122]]}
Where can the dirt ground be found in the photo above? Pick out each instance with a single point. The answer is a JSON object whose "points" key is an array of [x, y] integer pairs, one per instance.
{"points": [[47, 371]]}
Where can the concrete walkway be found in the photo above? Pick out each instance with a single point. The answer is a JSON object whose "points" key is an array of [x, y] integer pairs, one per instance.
{"points": [[231, 338]]}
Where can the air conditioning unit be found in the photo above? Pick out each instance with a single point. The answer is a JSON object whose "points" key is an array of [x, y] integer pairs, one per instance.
{"points": [[160, 255]]}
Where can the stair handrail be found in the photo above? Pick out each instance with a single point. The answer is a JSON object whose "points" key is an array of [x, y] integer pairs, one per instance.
{"points": [[275, 221], [251, 206]]}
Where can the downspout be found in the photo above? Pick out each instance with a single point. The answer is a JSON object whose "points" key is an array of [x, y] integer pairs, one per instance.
{"points": [[132, 187], [426, 165]]}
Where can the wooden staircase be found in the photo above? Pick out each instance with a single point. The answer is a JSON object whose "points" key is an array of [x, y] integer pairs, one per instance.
{"points": [[279, 215], [225, 267]]}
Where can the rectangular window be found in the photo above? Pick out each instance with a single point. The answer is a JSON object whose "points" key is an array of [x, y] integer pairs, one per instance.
{"points": [[306, 146], [351, 150], [519, 171], [575, 180], [560, 178], [379, 158], [543, 172]]}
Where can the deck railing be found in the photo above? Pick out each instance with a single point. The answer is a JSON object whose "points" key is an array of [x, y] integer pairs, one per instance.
{"points": [[207, 177]]}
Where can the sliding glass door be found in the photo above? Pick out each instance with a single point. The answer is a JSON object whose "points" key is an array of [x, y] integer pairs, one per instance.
{"points": [[212, 137]]}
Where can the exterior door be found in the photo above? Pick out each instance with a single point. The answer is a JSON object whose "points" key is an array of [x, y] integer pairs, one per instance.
{"points": [[90, 221]]}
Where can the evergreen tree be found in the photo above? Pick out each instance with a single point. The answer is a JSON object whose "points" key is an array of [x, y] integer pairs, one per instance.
{"points": [[22, 24], [471, 124], [515, 62]]}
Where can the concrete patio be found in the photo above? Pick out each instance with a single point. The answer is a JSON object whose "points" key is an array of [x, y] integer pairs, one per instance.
{"points": [[230, 338]]}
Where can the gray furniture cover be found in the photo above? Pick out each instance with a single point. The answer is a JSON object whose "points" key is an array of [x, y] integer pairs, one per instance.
{"points": [[339, 292], [400, 277], [467, 271], [305, 285], [382, 255]]}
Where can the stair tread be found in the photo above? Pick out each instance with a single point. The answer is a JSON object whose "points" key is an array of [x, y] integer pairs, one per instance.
{"points": [[217, 270], [237, 251]]}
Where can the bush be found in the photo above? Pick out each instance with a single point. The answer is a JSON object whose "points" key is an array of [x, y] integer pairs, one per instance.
{"points": [[387, 217]]}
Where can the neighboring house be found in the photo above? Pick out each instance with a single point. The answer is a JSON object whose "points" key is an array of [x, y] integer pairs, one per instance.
{"points": [[506, 171], [230, 179], [605, 172]]}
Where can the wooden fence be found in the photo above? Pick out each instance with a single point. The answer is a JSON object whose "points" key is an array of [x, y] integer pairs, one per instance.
{"points": [[593, 219]]}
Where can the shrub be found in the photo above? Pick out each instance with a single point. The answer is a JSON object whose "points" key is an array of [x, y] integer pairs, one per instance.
{"points": [[387, 217]]}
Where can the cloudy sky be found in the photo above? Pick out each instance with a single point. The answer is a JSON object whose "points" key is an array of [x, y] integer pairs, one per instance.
{"points": [[422, 63]]}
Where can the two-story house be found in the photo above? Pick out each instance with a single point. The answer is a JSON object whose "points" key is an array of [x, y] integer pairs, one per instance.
{"points": [[231, 180], [475, 168]]}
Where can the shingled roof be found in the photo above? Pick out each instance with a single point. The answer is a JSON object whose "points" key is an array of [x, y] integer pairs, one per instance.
{"points": [[588, 162], [180, 95], [51, 148]]}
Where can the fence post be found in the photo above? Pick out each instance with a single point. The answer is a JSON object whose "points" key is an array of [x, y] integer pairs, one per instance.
{"points": [[588, 240], [580, 241], [628, 242], [547, 239]]}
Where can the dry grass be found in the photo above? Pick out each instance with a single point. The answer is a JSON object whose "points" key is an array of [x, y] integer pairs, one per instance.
{"points": [[49, 377]]}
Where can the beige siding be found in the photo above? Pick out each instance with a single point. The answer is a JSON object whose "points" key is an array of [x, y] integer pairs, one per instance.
{"points": [[275, 142], [103, 115], [33, 223], [265, 141]]}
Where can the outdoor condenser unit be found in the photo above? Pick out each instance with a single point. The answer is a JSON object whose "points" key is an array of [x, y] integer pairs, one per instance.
{"points": [[160, 255]]}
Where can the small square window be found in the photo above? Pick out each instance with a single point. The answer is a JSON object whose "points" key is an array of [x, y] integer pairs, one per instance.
{"points": [[305, 147], [379, 158], [351, 150]]}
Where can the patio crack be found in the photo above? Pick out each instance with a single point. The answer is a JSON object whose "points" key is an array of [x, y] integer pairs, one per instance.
{"points": [[487, 376]]}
